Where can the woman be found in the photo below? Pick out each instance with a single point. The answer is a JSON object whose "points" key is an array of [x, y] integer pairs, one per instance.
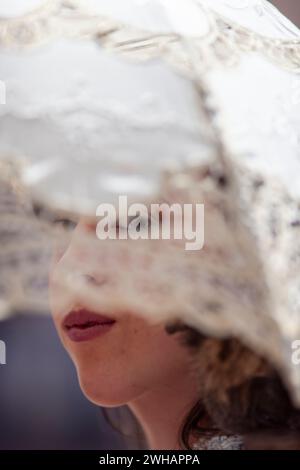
{"points": [[204, 396], [196, 117], [122, 359], [127, 361]]}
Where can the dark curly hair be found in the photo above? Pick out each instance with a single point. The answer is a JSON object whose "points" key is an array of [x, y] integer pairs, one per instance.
{"points": [[240, 392]]}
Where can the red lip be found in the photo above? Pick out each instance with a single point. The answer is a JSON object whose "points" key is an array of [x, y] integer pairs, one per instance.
{"points": [[83, 325]]}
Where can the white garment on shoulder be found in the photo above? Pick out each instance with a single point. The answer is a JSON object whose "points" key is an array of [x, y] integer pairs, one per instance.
{"points": [[220, 442]]}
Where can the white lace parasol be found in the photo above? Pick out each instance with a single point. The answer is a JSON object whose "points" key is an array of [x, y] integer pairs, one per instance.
{"points": [[184, 101]]}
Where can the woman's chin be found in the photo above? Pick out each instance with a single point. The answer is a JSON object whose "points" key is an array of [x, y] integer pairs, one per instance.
{"points": [[104, 393]]}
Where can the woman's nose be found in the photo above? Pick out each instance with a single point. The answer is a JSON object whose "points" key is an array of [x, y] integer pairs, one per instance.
{"points": [[93, 281], [80, 269]]}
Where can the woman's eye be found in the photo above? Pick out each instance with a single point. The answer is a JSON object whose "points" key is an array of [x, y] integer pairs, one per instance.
{"points": [[119, 226], [139, 223], [144, 223], [65, 223]]}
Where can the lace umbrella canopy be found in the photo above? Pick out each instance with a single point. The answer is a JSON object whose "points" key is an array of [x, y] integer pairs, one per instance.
{"points": [[179, 101]]}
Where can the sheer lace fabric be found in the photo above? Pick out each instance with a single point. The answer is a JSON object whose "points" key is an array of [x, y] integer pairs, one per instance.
{"points": [[101, 101]]}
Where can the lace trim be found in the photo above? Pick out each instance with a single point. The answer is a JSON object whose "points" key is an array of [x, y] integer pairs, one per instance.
{"points": [[223, 442], [224, 42]]}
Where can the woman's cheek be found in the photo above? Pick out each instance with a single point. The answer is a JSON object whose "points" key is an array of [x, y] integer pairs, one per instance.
{"points": [[115, 369]]}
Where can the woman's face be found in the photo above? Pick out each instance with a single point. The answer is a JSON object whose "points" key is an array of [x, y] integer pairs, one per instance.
{"points": [[117, 357]]}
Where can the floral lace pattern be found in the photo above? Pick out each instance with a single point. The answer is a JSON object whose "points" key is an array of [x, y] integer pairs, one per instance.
{"points": [[222, 442], [224, 40], [236, 76]]}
